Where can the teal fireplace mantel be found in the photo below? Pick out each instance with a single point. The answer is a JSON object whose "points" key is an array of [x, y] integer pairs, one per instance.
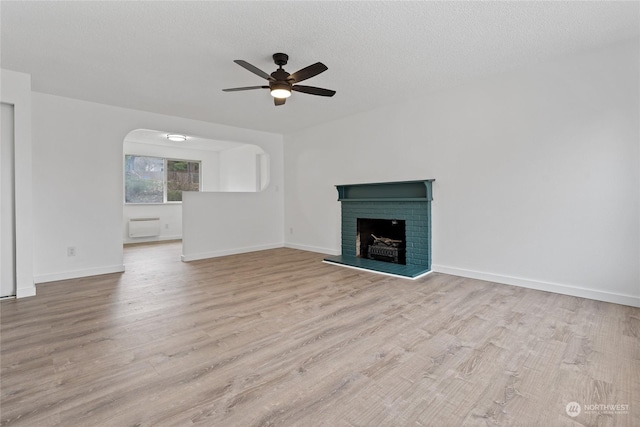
{"points": [[409, 201], [383, 191]]}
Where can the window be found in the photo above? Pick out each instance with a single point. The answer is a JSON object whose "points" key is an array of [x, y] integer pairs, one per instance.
{"points": [[159, 180], [181, 176]]}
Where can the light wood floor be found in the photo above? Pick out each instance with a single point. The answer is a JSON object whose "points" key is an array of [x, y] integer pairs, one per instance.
{"points": [[280, 338]]}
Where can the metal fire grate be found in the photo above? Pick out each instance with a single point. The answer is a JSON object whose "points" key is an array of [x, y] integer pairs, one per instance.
{"points": [[388, 253]]}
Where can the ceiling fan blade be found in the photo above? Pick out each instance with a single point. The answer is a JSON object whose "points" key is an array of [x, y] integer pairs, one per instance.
{"points": [[313, 90], [279, 101], [255, 70], [308, 72], [235, 89]]}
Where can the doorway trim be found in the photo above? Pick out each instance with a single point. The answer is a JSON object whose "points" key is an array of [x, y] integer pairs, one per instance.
{"points": [[16, 90]]}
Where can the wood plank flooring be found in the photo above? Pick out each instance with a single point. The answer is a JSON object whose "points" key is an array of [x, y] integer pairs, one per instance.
{"points": [[279, 338]]}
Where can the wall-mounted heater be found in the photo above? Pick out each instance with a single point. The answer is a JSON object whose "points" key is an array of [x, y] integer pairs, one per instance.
{"points": [[144, 227]]}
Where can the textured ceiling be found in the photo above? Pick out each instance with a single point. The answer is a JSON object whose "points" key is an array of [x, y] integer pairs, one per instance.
{"points": [[175, 57]]}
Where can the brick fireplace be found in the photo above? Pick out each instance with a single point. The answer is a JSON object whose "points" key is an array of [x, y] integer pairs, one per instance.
{"points": [[386, 227]]}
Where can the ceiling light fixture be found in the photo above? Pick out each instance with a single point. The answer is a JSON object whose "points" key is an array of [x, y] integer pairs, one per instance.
{"points": [[176, 137], [280, 90]]}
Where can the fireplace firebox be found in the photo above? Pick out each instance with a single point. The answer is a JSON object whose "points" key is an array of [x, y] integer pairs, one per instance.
{"points": [[381, 239]]}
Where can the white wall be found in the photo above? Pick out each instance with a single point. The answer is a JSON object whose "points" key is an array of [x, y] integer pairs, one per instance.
{"points": [[238, 169], [77, 179], [217, 224], [238, 218], [16, 90], [537, 174], [170, 215]]}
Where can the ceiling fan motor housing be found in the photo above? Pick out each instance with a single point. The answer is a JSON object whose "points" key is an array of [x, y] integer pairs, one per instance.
{"points": [[280, 59], [280, 76]]}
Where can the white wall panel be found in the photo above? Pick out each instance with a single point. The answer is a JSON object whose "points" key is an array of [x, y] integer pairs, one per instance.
{"points": [[217, 224]]}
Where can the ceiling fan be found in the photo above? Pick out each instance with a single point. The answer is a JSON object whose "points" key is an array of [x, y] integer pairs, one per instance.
{"points": [[282, 83]]}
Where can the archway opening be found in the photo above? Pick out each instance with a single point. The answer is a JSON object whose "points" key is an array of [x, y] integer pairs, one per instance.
{"points": [[158, 169]]}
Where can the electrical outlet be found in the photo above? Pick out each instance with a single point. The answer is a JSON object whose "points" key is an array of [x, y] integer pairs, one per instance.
{"points": [[291, 230], [166, 226], [71, 251]]}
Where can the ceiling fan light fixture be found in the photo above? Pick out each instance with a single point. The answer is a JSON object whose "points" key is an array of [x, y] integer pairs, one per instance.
{"points": [[281, 83], [176, 137], [280, 90]]}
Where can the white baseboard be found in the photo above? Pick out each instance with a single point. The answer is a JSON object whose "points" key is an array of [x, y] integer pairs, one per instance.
{"points": [[129, 240], [78, 273], [26, 292], [313, 249], [234, 251], [557, 288]]}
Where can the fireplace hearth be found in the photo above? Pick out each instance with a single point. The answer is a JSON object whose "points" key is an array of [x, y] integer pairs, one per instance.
{"points": [[386, 227]]}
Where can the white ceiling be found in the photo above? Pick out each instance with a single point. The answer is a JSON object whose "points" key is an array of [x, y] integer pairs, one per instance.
{"points": [[175, 57]]}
